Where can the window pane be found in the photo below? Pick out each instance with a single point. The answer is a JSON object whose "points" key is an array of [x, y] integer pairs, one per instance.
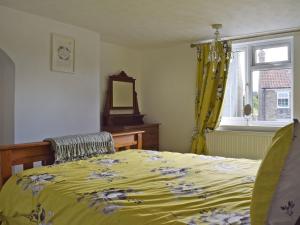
{"points": [[271, 94], [283, 94], [283, 99], [273, 54], [234, 99]]}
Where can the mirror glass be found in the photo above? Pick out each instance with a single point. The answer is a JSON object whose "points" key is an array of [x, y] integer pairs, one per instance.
{"points": [[122, 94], [247, 110]]}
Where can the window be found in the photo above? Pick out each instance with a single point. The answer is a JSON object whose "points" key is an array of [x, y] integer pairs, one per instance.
{"points": [[260, 74], [271, 54], [283, 99]]}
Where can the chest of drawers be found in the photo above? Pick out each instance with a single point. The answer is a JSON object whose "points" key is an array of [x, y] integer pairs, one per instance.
{"points": [[150, 137]]}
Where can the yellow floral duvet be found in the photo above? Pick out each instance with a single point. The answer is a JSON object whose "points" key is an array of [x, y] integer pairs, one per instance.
{"points": [[133, 187]]}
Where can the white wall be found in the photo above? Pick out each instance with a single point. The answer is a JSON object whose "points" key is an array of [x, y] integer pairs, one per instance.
{"points": [[168, 90], [297, 75], [168, 93], [115, 58], [165, 83], [50, 103], [7, 98]]}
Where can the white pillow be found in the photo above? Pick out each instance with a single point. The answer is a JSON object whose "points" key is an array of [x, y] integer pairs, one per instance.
{"points": [[285, 207]]}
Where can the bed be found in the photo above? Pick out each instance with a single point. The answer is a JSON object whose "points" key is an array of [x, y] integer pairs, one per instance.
{"points": [[131, 187]]}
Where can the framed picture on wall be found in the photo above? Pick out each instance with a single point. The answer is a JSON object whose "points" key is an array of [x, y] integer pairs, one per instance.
{"points": [[63, 48]]}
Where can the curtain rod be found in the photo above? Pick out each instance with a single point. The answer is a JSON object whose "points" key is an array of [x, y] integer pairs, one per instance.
{"points": [[244, 37]]}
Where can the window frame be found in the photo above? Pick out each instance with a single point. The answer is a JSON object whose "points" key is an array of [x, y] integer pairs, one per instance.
{"points": [[288, 99], [251, 66], [272, 44]]}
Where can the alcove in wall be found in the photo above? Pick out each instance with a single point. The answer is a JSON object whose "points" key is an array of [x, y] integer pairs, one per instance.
{"points": [[7, 98]]}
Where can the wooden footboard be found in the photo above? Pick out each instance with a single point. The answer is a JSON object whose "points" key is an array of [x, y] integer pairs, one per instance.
{"points": [[27, 154]]}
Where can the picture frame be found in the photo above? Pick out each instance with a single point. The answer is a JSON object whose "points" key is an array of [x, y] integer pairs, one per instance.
{"points": [[62, 53]]}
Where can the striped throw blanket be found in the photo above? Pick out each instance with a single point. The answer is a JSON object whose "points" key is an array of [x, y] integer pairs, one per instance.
{"points": [[75, 147]]}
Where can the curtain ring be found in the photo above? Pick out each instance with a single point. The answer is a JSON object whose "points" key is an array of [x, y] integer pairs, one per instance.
{"points": [[198, 52]]}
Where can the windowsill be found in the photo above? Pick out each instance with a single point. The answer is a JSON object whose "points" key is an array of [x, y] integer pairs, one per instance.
{"points": [[241, 124], [256, 128]]}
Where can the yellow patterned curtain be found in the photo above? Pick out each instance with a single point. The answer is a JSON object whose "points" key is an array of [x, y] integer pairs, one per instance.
{"points": [[211, 82]]}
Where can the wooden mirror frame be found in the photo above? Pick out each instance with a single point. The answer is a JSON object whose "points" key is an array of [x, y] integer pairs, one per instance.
{"points": [[121, 119], [122, 77]]}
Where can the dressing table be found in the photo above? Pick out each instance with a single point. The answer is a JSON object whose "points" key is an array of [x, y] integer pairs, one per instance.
{"points": [[121, 111]]}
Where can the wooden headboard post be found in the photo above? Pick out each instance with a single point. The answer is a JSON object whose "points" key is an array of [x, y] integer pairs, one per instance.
{"points": [[5, 161], [27, 154], [23, 154]]}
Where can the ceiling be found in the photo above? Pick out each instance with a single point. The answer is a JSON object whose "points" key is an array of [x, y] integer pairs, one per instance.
{"points": [[156, 23]]}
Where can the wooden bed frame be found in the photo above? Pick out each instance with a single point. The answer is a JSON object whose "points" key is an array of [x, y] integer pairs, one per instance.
{"points": [[28, 153]]}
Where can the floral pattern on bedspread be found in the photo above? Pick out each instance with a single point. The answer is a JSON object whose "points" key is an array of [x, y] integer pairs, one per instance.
{"points": [[35, 182], [183, 188], [39, 216], [133, 187], [111, 199], [220, 217]]}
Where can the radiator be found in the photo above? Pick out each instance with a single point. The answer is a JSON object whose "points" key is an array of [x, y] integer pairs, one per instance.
{"points": [[239, 144]]}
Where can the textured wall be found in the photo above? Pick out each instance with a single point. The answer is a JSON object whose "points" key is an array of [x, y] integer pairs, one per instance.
{"points": [[168, 85], [168, 93], [7, 98], [50, 103], [115, 58]]}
